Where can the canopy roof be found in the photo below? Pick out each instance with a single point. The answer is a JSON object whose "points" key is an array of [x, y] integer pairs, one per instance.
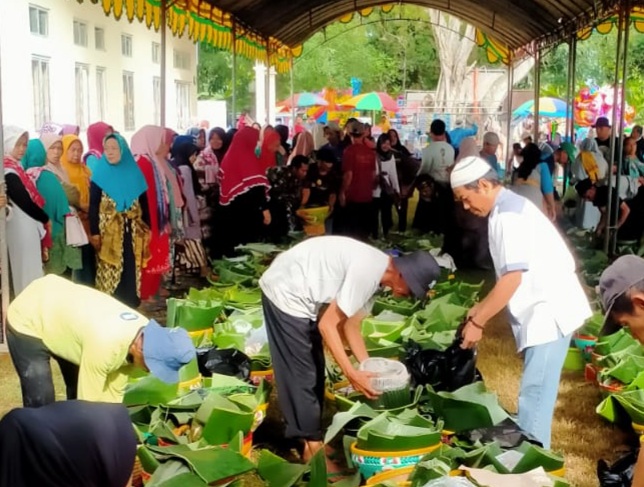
{"points": [[275, 30], [515, 23]]}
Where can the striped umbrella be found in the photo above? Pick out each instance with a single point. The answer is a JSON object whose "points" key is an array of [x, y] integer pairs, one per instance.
{"points": [[548, 107]]}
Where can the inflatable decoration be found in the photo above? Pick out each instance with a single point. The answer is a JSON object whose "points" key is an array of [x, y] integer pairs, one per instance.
{"points": [[593, 102]]}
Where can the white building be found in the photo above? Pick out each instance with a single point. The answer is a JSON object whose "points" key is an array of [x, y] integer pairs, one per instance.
{"points": [[66, 62]]}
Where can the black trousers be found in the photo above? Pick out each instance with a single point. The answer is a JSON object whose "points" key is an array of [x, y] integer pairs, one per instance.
{"points": [[382, 213], [357, 220], [403, 210], [31, 358], [298, 364]]}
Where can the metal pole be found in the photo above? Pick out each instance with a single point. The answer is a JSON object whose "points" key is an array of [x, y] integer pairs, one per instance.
{"points": [[267, 86], [164, 46], [570, 89], [610, 210], [4, 256], [622, 106], [293, 108], [537, 94], [508, 152], [234, 90]]}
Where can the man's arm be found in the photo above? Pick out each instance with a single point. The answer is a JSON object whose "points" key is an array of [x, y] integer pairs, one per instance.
{"points": [[328, 326], [352, 332], [97, 382], [624, 211]]}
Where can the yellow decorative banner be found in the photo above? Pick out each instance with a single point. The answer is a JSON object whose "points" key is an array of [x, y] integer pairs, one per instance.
{"points": [[494, 50], [605, 26]]}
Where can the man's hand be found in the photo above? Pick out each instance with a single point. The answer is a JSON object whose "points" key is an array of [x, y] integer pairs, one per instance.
{"points": [[95, 241], [267, 217], [342, 199], [361, 382], [471, 336]]}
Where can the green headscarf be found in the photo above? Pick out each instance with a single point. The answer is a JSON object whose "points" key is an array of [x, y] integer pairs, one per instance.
{"points": [[570, 150], [56, 202]]}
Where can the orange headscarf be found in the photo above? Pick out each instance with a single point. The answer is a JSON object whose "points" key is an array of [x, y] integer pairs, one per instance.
{"points": [[79, 174]]}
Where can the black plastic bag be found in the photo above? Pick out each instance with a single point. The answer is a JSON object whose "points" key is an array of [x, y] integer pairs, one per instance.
{"points": [[227, 361], [620, 473], [507, 433], [444, 370]]}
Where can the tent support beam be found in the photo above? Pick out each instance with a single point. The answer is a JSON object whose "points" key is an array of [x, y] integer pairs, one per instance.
{"points": [[537, 95], [164, 48], [233, 108], [508, 151], [293, 108], [4, 256], [613, 210]]}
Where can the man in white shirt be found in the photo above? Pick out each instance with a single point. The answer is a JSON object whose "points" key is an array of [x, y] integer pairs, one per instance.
{"points": [[345, 274], [537, 282]]}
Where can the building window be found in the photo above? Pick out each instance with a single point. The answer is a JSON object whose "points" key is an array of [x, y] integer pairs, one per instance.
{"points": [[99, 38], [101, 92], [82, 95], [181, 60], [126, 45], [156, 93], [183, 104], [156, 53], [80, 33], [42, 102], [128, 100], [38, 20]]}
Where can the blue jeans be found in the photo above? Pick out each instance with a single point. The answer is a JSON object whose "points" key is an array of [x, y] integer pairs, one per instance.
{"points": [[542, 366]]}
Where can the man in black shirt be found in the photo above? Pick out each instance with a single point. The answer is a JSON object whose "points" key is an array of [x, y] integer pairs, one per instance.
{"points": [[603, 132]]}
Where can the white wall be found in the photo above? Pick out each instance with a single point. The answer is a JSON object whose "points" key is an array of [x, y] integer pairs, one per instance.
{"points": [[18, 46]]}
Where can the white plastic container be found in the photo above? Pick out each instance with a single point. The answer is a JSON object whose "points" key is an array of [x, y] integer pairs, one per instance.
{"points": [[390, 374]]}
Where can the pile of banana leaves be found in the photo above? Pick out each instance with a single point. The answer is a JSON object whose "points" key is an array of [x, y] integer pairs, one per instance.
{"points": [[198, 438]]}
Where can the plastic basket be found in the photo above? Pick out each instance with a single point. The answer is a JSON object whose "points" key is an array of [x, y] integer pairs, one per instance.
{"points": [[371, 463], [391, 374]]}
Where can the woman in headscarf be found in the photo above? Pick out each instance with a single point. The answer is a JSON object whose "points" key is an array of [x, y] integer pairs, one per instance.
{"points": [[388, 190], [151, 147], [54, 146], [589, 163], [191, 255], [70, 130], [67, 444], [27, 223], [199, 134], [406, 168], [96, 133], [62, 257], [304, 146], [271, 151], [80, 177], [244, 194], [283, 132], [534, 181], [208, 173], [119, 222]]}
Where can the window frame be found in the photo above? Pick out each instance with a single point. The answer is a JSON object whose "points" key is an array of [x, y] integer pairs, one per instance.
{"points": [[41, 12]]}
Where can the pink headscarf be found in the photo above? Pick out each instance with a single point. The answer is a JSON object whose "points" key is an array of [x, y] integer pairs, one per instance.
{"points": [[146, 142], [96, 133], [304, 147]]}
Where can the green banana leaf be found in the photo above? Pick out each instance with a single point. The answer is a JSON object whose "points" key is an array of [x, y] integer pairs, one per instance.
{"points": [[469, 407], [615, 342], [630, 402], [593, 325], [224, 417], [277, 472], [405, 431], [402, 306], [386, 326], [149, 462], [340, 420], [428, 470], [535, 457], [613, 359], [382, 348], [625, 371], [259, 250], [149, 390], [193, 315], [174, 473], [211, 464]]}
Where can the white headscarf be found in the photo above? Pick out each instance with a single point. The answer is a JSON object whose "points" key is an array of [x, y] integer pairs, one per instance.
{"points": [[10, 136], [468, 170]]}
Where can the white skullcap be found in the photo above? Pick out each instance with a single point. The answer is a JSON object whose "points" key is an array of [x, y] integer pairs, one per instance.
{"points": [[468, 170]]}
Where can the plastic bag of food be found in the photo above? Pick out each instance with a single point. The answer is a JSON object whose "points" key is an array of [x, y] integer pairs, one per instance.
{"points": [[620, 473], [227, 361]]}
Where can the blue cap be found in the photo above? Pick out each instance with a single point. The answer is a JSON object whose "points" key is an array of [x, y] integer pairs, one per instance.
{"points": [[166, 350]]}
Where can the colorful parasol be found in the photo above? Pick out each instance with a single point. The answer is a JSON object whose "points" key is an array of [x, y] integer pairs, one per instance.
{"points": [[548, 107], [303, 100], [375, 101]]}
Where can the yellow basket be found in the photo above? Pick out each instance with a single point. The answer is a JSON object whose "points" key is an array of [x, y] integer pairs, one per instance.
{"points": [[256, 376], [371, 463], [398, 475], [638, 428], [314, 219]]}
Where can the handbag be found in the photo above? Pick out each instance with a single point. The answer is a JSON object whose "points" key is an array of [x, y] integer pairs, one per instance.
{"points": [[384, 182], [75, 234]]}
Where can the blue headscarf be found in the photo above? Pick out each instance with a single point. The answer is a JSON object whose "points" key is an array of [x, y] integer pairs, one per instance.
{"points": [[56, 202], [123, 182]]}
